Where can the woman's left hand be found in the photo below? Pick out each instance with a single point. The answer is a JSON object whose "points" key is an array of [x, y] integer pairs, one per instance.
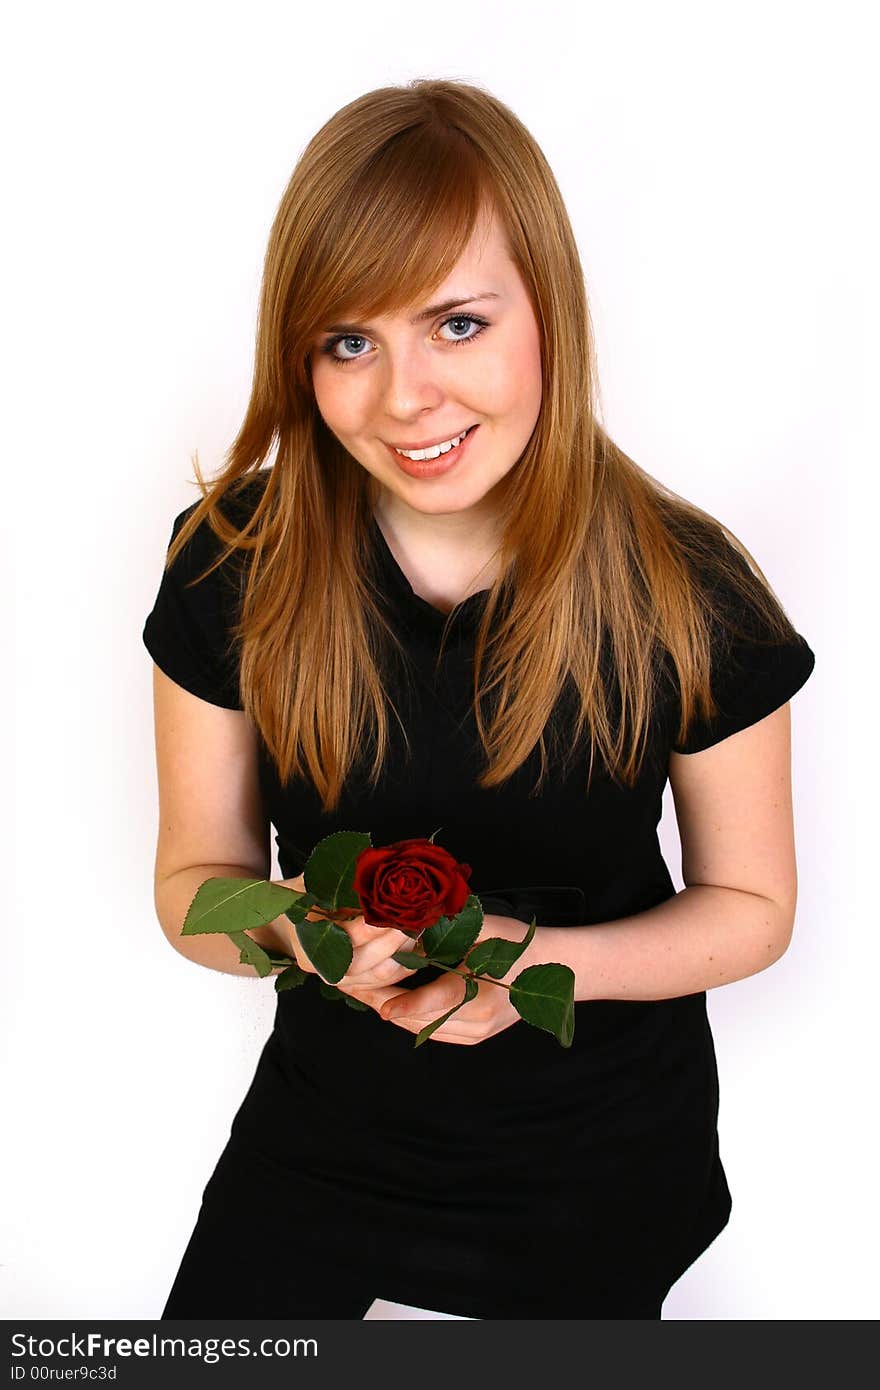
{"points": [[489, 1012]]}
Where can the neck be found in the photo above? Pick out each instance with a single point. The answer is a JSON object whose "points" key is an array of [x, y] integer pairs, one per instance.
{"points": [[445, 556]]}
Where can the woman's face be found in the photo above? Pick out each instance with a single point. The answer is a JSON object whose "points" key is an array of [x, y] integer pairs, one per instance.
{"points": [[413, 382]]}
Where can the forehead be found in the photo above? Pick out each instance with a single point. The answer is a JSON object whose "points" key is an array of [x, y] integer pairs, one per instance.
{"points": [[486, 247], [483, 268]]}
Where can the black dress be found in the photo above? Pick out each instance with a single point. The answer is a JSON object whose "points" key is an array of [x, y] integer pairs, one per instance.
{"points": [[514, 1178]]}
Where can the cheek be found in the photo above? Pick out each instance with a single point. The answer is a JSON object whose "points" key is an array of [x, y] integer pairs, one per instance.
{"points": [[512, 385], [323, 393], [337, 406], [530, 379]]}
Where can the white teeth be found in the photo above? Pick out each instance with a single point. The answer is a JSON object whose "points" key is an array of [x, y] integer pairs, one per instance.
{"points": [[433, 453]]}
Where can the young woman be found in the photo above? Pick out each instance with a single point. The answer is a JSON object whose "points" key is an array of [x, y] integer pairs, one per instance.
{"points": [[512, 642]]}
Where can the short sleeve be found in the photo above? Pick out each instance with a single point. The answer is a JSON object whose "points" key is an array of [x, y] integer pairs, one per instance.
{"points": [[188, 630], [752, 675]]}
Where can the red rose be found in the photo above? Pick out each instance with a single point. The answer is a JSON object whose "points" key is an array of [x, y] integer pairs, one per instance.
{"points": [[410, 885]]}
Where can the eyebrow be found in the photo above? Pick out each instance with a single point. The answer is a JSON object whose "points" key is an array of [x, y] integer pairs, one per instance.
{"points": [[429, 313]]}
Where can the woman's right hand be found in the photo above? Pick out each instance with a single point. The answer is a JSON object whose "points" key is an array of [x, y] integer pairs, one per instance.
{"points": [[372, 967]]}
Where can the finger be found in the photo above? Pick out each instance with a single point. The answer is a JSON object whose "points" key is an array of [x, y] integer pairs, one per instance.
{"points": [[381, 947], [389, 939], [379, 996], [377, 955], [448, 1032], [426, 1003], [363, 933], [384, 972], [387, 972], [358, 931]]}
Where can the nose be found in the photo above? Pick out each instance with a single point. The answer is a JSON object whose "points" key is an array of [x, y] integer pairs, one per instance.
{"points": [[410, 382]]}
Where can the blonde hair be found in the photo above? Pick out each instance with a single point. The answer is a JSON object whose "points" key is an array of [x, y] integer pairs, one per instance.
{"points": [[605, 574]]}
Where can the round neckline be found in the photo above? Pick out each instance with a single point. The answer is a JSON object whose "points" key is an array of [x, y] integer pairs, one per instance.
{"points": [[468, 605]]}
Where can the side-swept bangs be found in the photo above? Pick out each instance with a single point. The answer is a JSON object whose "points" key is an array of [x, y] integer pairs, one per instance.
{"points": [[389, 236]]}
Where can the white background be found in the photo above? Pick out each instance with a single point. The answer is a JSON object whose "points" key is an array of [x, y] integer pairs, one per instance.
{"points": [[715, 163]]}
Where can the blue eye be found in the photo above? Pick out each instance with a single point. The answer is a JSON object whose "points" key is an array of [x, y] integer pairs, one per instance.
{"points": [[328, 347]]}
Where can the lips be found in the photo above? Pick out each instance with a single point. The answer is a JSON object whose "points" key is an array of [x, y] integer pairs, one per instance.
{"points": [[432, 468], [432, 443]]}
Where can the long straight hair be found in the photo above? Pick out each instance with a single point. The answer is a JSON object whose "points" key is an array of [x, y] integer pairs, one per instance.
{"points": [[605, 576]]}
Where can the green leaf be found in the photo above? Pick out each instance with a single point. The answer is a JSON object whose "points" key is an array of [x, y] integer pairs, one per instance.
{"points": [[470, 989], [251, 953], [495, 955], [299, 911], [411, 959], [330, 991], [236, 904], [329, 870], [290, 978], [279, 957], [449, 939], [544, 996], [327, 946]]}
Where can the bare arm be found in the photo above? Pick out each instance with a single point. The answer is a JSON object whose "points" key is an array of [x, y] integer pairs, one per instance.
{"points": [[735, 915], [212, 822], [700, 938], [173, 896]]}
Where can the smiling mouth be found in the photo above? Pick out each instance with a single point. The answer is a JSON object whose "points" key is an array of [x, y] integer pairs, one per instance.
{"points": [[435, 464], [453, 441]]}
